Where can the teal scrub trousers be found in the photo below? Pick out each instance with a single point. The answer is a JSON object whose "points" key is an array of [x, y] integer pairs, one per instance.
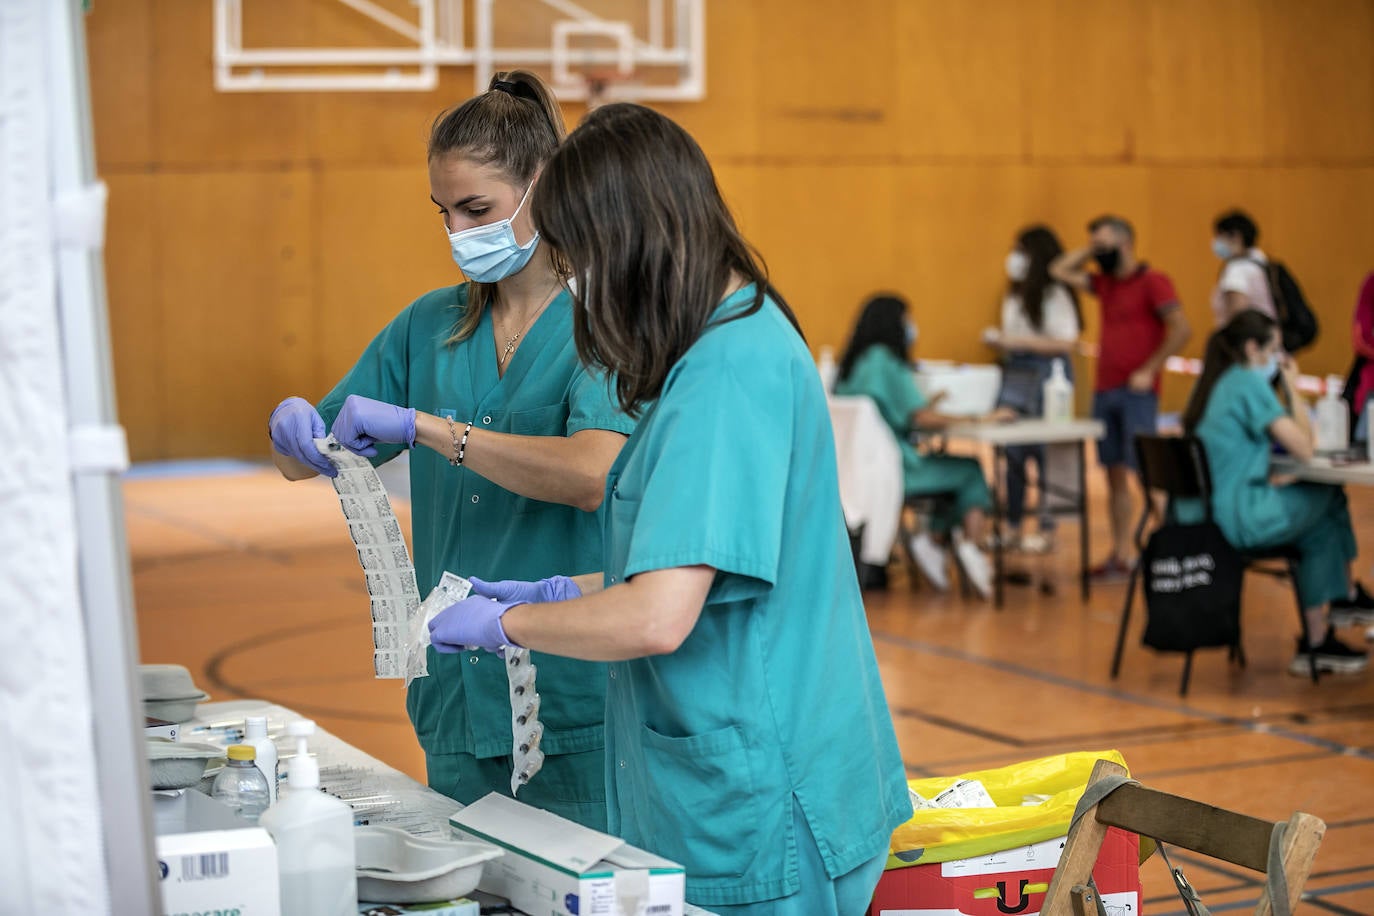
{"points": [[1319, 527], [949, 475], [569, 785]]}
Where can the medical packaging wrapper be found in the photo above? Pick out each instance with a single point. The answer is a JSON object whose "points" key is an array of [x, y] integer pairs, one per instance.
{"points": [[554, 867]]}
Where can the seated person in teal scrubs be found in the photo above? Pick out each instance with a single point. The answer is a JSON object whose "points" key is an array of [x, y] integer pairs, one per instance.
{"points": [[1234, 411], [747, 734], [876, 364], [518, 437]]}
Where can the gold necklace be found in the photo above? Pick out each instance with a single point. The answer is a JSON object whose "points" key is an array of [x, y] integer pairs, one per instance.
{"points": [[510, 343]]}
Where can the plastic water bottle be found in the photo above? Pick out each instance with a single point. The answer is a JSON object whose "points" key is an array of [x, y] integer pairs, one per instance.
{"points": [[1057, 395], [241, 785], [314, 836], [265, 759], [825, 364], [1333, 420]]}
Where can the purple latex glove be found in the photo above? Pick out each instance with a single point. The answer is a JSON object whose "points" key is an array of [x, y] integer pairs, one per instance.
{"points": [[295, 425], [554, 588], [362, 422], [473, 622]]}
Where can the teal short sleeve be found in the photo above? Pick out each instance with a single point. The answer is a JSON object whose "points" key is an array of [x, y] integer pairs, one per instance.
{"points": [[1256, 404], [888, 380], [592, 404], [719, 450]]}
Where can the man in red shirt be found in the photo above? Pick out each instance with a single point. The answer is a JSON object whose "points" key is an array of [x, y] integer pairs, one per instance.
{"points": [[1142, 326]]}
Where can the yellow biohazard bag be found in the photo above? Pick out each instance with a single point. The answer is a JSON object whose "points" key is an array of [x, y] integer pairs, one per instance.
{"points": [[946, 834]]}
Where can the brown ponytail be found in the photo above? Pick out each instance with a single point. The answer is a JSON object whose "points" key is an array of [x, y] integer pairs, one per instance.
{"points": [[1225, 348], [516, 125]]}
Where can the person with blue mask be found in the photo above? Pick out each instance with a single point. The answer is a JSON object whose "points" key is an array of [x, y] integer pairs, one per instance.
{"points": [[876, 364], [748, 736], [511, 439], [1236, 414]]}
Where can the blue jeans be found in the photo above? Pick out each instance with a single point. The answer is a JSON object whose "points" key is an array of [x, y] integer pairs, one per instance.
{"points": [[1019, 458]]}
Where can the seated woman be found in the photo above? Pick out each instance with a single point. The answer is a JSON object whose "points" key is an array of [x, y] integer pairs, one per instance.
{"points": [[876, 364], [1235, 412]]}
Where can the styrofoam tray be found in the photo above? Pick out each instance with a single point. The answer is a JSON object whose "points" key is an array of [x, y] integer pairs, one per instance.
{"points": [[395, 867]]}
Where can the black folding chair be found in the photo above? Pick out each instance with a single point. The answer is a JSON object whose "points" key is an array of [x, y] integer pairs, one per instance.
{"points": [[1177, 465]]}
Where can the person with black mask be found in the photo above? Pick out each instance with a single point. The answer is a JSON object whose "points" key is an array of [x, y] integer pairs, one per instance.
{"points": [[1142, 326]]}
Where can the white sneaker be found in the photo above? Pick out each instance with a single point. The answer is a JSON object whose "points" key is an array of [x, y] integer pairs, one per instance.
{"points": [[931, 559], [976, 566]]}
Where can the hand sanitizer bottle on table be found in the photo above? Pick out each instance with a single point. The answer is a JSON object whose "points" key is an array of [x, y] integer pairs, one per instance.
{"points": [[314, 836]]}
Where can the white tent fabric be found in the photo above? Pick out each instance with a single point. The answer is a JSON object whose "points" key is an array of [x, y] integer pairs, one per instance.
{"points": [[51, 854]]}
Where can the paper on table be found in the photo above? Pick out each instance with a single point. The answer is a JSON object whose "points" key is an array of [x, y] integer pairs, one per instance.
{"points": [[385, 559]]}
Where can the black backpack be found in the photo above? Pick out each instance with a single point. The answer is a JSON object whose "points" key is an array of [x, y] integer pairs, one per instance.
{"points": [[1297, 323]]}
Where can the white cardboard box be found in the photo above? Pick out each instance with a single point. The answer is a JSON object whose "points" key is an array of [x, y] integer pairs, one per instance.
{"points": [[206, 864], [554, 867]]}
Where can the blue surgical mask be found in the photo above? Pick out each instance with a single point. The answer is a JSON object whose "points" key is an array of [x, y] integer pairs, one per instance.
{"points": [[911, 332], [489, 253], [1221, 249], [1267, 369]]}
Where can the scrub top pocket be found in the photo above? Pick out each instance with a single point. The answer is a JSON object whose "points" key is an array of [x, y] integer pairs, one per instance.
{"points": [[699, 801]]}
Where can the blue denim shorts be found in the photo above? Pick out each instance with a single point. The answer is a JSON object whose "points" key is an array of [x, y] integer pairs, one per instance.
{"points": [[1125, 414]]}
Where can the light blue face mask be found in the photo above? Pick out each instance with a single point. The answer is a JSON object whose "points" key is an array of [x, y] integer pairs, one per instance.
{"points": [[489, 253], [1267, 369], [1221, 249], [912, 333]]}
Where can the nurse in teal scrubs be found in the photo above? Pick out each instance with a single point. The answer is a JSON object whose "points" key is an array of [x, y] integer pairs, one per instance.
{"points": [[517, 439], [875, 365], [1234, 411], [747, 734]]}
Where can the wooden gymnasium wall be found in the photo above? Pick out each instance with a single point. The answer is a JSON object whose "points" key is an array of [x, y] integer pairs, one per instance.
{"points": [[258, 241]]}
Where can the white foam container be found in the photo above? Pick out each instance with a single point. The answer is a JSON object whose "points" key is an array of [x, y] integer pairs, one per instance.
{"points": [[395, 867]]}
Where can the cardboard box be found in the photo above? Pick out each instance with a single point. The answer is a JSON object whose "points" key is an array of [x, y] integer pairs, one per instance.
{"points": [[1011, 881], [554, 867], [208, 862]]}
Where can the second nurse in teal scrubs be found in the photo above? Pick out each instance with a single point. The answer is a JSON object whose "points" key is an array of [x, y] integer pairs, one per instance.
{"points": [[747, 734], [1234, 411], [517, 438]]}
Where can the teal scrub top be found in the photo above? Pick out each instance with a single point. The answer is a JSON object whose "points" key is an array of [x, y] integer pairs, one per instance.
{"points": [[468, 525], [1234, 430], [775, 693], [886, 378]]}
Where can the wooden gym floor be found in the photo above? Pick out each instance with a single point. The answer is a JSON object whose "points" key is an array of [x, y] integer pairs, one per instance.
{"points": [[252, 583]]}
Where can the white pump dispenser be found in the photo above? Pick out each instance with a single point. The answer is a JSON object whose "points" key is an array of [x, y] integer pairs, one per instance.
{"points": [[1057, 395], [1333, 419], [314, 836]]}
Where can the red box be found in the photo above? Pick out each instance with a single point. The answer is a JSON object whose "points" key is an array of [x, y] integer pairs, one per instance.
{"points": [[1011, 881]]}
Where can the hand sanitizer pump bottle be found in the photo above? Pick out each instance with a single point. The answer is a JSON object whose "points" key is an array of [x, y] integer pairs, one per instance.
{"points": [[1057, 395], [314, 836]]}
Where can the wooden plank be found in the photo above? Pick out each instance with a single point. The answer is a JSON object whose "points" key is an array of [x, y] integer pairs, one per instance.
{"points": [[1300, 842], [1080, 849]]}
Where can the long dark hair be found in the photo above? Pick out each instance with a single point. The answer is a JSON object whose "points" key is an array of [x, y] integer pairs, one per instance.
{"points": [[631, 207], [881, 324], [515, 125], [1225, 348], [1041, 246]]}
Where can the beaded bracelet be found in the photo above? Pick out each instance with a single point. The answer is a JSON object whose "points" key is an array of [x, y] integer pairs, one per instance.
{"points": [[460, 447]]}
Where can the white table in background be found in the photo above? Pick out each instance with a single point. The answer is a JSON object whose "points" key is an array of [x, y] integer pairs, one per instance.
{"points": [[1033, 432], [869, 462], [1321, 469]]}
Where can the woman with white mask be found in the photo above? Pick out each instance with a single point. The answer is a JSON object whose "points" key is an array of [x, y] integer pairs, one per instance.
{"points": [[511, 439], [1041, 322]]}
